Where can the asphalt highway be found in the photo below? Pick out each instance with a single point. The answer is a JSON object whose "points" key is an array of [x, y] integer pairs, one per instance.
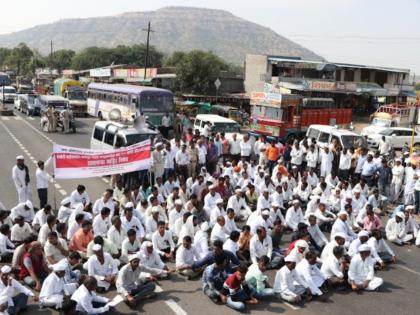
{"points": [[21, 135]]}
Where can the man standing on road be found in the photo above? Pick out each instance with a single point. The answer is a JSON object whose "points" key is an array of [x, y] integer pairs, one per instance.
{"points": [[166, 124], [65, 114], [158, 161], [42, 180], [20, 175]]}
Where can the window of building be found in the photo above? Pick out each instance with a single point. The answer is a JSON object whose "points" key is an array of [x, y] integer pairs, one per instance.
{"points": [[365, 75], [349, 76]]}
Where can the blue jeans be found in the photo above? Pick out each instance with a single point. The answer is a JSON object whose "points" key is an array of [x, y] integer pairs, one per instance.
{"points": [[20, 302], [264, 294]]}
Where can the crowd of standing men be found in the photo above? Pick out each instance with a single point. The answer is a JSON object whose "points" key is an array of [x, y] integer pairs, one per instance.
{"points": [[216, 208]]}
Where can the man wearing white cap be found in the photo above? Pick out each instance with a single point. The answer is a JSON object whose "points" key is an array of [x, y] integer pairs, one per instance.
{"points": [[158, 161], [176, 213], [65, 210], [294, 215], [210, 199], [397, 180], [395, 230], [238, 203], [103, 267], [217, 211], [20, 176], [152, 223], [129, 283], [17, 294], [218, 232], [361, 271], [24, 209], [289, 284], [340, 226], [53, 289], [310, 273], [261, 220], [362, 238], [338, 239]]}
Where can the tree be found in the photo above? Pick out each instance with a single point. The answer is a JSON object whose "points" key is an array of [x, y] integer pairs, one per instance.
{"points": [[19, 59], [4, 53], [60, 59], [418, 87], [196, 71], [92, 57]]}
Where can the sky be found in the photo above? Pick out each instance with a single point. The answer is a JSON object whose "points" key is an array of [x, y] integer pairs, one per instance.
{"points": [[370, 32]]}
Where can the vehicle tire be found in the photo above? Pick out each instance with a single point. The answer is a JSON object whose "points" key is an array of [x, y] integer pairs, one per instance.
{"points": [[100, 116], [73, 129]]}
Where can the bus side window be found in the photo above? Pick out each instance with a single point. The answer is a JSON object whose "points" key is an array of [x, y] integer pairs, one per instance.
{"points": [[109, 138], [134, 101], [98, 134]]}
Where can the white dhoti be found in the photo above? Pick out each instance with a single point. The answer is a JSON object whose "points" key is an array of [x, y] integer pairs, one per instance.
{"points": [[24, 193], [298, 290], [400, 240], [375, 283], [55, 300]]}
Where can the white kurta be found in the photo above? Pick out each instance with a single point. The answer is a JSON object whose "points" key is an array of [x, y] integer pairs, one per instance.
{"points": [[363, 270]]}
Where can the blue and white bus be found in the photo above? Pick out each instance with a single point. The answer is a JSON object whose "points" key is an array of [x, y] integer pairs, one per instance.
{"points": [[129, 101]]}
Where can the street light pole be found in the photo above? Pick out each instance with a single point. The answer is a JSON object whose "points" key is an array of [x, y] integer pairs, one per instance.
{"points": [[148, 30]]}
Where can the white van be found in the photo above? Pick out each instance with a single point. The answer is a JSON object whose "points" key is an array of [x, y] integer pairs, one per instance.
{"points": [[218, 124], [324, 135], [107, 134]]}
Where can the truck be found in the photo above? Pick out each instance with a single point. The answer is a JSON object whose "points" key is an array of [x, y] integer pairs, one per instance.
{"points": [[288, 116], [390, 115], [74, 91]]}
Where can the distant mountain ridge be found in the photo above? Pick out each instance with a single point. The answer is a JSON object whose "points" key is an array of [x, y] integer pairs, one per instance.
{"points": [[176, 28]]}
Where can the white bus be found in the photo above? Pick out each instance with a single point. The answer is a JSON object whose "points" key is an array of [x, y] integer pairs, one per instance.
{"points": [[128, 101]]}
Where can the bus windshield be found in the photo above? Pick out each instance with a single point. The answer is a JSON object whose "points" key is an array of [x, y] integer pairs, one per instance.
{"points": [[77, 95], [156, 103], [226, 127], [381, 122]]}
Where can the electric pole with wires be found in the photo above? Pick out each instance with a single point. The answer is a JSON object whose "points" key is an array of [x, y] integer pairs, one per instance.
{"points": [[148, 30]]}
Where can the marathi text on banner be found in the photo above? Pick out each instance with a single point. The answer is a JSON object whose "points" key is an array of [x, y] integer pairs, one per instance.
{"points": [[72, 162]]}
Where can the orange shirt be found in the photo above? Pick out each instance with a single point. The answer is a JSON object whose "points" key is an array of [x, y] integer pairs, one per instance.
{"points": [[80, 240], [272, 153]]}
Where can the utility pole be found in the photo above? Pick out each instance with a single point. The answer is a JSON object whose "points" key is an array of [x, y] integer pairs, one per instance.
{"points": [[148, 30], [51, 56]]}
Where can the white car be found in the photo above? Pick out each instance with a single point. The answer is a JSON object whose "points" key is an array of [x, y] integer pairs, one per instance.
{"points": [[218, 124], [397, 137], [325, 134], [18, 101]]}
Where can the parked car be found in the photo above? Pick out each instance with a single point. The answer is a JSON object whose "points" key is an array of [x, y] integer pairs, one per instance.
{"points": [[324, 135], [30, 105], [218, 124], [397, 137]]}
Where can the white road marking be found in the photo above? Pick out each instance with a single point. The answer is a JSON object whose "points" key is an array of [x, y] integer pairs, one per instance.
{"points": [[17, 118], [57, 186], [63, 192], [409, 270], [5, 118], [295, 308], [39, 132], [171, 303], [106, 180], [31, 118]]}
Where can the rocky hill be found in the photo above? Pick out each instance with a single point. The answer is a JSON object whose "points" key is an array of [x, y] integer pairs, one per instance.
{"points": [[176, 28]]}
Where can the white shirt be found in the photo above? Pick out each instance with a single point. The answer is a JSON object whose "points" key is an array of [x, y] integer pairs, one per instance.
{"points": [[296, 155], [42, 178], [4, 243], [308, 272], [235, 147], [84, 299], [76, 198], [258, 248], [169, 158], [116, 237], [182, 158], [236, 204], [19, 210], [231, 246], [100, 271], [64, 214], [378, 247], [166, 121], [186, 257], [101, 225], [230, 225], [331, 267], [162, 242], [53, 285], [135, 224], [218, 233], [43, 233], [294, 217], [99, 204], [317, 235], [341, 226], [285, 281], [312, 158], [19, 233], [40, 218], [246, 148], [14, 289], [361, 270], [18, 177], [345, 161]]}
